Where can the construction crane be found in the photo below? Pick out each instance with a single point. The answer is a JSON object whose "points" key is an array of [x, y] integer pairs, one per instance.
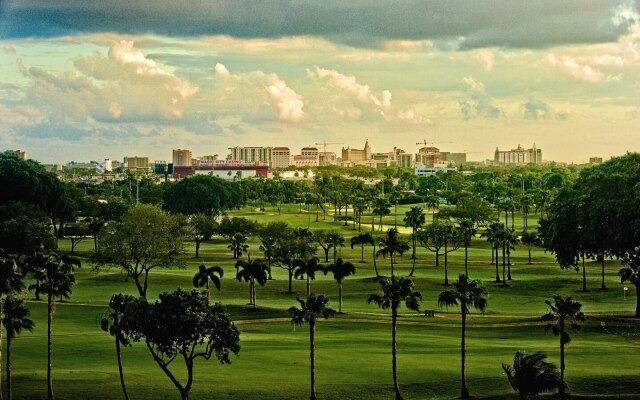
{"points": [[424, 142], [325, 143]]}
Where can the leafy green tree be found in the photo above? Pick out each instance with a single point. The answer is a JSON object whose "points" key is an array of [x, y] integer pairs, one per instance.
{"points": [[182, 325], [112, 322], [396, 291], [391, 245], [296, 246], [200, 194], [307, 268], [269, 235], [146, 239], [15, 319], [431, 239], [26, 236], [309, 312], [563, 312], [530, 374], [205, 275], [465, 294], [323, 238], [362, 239], [340, 270], [202, 227], [54, 278], [252, 271], [631, 273], [10, 283]]}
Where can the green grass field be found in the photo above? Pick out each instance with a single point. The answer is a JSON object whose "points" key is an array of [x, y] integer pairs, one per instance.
{"points": [[353, 350]]}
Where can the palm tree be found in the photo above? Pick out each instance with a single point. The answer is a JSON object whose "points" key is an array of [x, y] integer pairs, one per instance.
{"points": [[362, 239], [340, 270], [267, 246], [15, 319], [380, 208], [529, 238], [54, 278], [391, 245], [563, 311], [466, 294], [204, 275], [510, 241], [414, 218], [631, 273], [493, 237], [307, 268], [111, 322], [335, 240], [531, 374], [309, 312], [252, 271], [237, 244], [10, 282], [394, 292], [467, 231]]}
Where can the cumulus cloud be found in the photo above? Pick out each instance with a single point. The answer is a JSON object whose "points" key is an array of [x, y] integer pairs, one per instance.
{"points": [[480, 106], [369, 23], [355, 100], [538, 109], [572, 67], [251, 89], [473, 84], [8, 48], [124, 85], [487, 57]]}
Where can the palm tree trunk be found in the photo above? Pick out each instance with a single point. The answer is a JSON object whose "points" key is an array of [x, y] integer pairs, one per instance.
{"points": [[340, 297], [584, 276], [497, 269], [197, 248], [562, 357], [637, 299], [120, 369], [312, 356], [529, 247], [290, 279], [603, 286], [466, 259], [508, 264], [49, 347], [504, 266], [413, 267], [394, 318], [9, 392], [464, 392], [375, 264], [391, 258], [253, 293], [308, 286]]}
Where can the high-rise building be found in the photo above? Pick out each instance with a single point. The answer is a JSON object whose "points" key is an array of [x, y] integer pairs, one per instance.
{"points": [[253, 155], [355, 156], [328, 158], [453, 158], [22, 154], [428, 156], [182, 158], [136, 162], [280, 157], [518, 156]]}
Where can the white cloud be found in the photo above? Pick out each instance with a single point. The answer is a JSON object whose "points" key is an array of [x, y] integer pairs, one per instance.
{"points": [[572, 67], [246, 90], [8, 48], [473, 84], [487, 57]]}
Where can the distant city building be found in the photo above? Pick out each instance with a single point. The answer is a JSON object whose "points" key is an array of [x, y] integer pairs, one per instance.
{"points": [[182, 158], [255, 155], [212, 157], [518, 156], [355, 156], [595, 160], [280, 157], [308, 157], [327, 158], [105, 166], [428, 156], [423, 170], [227, 171], [453, 158], [136, 162], [22, 154]]}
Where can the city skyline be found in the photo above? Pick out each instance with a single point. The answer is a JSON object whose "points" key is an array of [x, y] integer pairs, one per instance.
{"points": [[85, 83]]}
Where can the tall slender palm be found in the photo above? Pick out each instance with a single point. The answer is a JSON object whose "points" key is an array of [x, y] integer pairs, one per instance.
{"points": [[465, 294], [336, 240], [380, 208], [414, 218], [340, 270], [394, 292], [562, 312], [529, 238], [308, 269], [309, 312], [510, 241], [204, 275], [252, 271], [10, 282], [392, 245], [531, 375], [267, 247], [362, 239], [493, 237], [54, 278], [111, 322], [238, 245], [15, 319], [467, 230]]}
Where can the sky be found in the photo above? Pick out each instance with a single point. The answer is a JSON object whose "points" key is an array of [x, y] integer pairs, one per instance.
{"points": [[93, 80]]}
